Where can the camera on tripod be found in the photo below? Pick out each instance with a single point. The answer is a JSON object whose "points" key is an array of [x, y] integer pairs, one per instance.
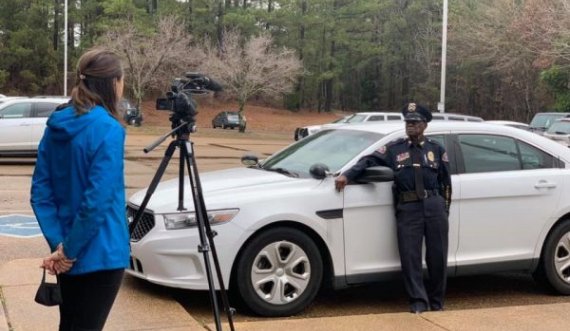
{"points": [[179, 99]]}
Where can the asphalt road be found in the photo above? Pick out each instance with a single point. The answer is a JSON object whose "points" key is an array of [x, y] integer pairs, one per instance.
{"points": [[465, 292]]}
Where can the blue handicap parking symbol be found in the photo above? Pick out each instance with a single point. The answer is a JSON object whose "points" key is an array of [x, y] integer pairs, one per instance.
{"points": [[19, 226]]}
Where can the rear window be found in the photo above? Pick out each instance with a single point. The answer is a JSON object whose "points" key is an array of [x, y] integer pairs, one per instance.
{"points": [[544, 121]]}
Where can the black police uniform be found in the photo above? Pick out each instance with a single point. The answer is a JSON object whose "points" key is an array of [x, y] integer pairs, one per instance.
{"points": [[421, 211]]}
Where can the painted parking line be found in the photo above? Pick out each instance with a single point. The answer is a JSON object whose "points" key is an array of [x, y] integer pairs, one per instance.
{"points": [[20, 226]]}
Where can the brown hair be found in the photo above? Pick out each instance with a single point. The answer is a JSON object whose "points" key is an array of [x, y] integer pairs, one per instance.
{"points": [[97, 71]]}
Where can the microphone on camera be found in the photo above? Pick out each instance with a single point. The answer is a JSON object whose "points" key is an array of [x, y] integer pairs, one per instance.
{"points": [[203, 82]]}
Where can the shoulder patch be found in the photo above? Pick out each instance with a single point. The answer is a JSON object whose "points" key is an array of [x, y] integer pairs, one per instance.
{"points": [[444, 157]]}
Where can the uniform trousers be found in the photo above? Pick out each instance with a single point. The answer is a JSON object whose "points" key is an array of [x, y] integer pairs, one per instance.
{"points": [[87, 299], [415, 221]]}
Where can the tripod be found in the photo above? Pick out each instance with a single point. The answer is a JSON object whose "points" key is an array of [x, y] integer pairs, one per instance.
{"points": [[183, 142]]}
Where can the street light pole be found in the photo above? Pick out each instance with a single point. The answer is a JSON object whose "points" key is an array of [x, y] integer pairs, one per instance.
{"points": [[441, 104], [65, 49]]}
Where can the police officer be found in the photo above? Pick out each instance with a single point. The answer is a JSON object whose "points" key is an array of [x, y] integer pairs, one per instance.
{"points": [[422, 196]]}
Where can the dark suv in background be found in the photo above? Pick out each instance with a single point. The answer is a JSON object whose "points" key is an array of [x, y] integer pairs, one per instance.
{"points": [[226, 119], [132, 114]]}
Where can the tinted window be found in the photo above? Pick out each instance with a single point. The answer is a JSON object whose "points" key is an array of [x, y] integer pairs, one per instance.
{"points": [[394, 117], [456, 118], [534, 158], [486, 153], [437, 117], [376, 118], [44, 109], [18, 110]]}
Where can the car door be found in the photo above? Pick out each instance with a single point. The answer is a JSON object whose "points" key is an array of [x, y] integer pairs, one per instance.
{"points": [[371, 246], [15, 127], [41, 112], [508, 191]]}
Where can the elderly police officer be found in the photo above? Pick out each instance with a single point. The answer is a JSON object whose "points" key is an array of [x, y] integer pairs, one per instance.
{"points": [[422, 194]]}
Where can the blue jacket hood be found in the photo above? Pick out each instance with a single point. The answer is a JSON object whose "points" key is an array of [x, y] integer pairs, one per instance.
{"points": [[66, 123]]}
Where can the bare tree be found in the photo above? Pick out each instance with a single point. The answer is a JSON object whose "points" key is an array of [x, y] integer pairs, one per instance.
{"points": [[251, 68], [152, 58]]}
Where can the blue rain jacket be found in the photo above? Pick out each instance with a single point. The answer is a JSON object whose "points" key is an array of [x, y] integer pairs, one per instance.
{"points": [[78, 189]]}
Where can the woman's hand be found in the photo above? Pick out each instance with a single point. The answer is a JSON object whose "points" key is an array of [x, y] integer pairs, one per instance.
{"points": [[57, 262]]}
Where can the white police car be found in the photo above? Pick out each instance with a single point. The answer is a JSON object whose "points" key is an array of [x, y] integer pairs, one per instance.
{"points": [[284, 231]]}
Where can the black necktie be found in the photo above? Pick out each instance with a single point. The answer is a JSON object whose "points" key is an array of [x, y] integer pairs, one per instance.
{"points": [[418, 175]]}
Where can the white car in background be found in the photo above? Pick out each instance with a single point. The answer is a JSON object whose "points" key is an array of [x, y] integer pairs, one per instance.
{"points": [[376, 117], [354, 118], [559, 131], [22, 123], [283, 231], [518, 125]]}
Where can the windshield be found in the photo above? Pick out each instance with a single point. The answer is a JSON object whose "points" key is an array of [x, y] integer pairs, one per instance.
{"points": [[232, 117], [544, 120], [334, 148], [560, 127]]}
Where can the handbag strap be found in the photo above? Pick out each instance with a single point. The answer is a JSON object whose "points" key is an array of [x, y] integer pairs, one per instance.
{"points": [[44, 276]]}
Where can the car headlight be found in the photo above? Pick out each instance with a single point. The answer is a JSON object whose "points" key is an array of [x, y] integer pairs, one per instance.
{"points": [[185, 220]]}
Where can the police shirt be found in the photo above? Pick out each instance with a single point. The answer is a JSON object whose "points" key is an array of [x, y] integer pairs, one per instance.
{"points": [[433, 161]]}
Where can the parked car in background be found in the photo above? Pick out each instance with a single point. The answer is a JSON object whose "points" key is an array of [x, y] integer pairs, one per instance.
{"points": [[455, 117], [518, 125], [131, 113], [354, 118], [284, 232], [559, 131], [378, 116], [542, 121], [226, 119], [22, 123]]}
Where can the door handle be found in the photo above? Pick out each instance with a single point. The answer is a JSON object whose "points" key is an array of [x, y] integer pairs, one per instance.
{"points": [[544, 184]]}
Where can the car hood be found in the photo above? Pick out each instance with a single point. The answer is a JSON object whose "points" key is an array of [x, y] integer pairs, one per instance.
{"points": [[228, 188]]}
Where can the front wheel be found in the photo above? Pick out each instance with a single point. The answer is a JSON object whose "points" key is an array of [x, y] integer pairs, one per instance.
{"points": [[279, 273], [555, 261]]}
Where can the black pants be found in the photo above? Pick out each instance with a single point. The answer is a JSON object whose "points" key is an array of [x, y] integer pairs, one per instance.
{"points": [[417, 220], [87, 299]]}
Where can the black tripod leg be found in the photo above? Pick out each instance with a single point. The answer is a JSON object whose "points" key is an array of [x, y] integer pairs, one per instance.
{"points": [[153, 184], [202, 219], [200, 204]]}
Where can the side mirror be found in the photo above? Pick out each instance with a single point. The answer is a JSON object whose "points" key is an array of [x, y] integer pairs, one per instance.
{"points": [[249, 160], [376, 175], [319, 170]]}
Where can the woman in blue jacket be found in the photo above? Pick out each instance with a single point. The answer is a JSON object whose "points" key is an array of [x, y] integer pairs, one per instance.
{"points": [[78, 193]]}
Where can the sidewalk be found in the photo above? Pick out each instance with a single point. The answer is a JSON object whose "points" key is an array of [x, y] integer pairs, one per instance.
{"points": [[140, 310]]}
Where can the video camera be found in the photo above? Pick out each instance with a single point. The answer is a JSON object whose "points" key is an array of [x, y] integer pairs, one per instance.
{"points": [[179, 99]]}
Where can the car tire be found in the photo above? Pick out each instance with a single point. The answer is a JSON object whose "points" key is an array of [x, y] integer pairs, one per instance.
{"points": [[554, 268], [280, 258], [133, 121], [213, 125], [223, 126]]}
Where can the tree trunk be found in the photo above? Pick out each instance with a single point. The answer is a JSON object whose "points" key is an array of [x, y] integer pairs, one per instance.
{"points": [[220, 25]]}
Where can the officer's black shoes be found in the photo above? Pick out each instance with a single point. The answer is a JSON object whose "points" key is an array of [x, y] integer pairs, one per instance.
{"points": [[418, 308], [436, 308]]}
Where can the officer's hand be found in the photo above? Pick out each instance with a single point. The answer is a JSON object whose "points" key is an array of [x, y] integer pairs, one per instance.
{"points": [[340, 183]]}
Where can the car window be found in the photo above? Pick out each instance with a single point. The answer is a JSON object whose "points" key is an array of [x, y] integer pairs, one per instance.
{"points": [[356, 119], [44, 109], [394, 117], [488, 153], [534, 158], [334, 148], [455, 118], [438, 138], [437, 117], [376, 118], [18, 110], [545, 120]]}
